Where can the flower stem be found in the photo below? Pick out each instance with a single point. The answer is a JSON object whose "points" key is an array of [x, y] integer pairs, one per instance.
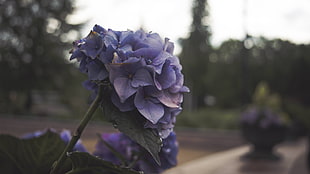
{"points": [[76, 136]]}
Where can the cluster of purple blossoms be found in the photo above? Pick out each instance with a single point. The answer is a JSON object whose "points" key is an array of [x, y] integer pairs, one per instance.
{"points": [[131, 151], [141, 67], [121, 143], [65, 135], [263, 117]]}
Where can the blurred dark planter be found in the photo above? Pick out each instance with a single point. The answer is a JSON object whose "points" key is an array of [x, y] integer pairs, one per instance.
{"points": [[263, 140]]}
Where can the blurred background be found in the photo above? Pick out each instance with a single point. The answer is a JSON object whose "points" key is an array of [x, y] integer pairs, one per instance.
{"points": [[226, 48]]}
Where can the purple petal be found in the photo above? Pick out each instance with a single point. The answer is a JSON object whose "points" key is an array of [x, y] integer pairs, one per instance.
{"points": [[83, 65], [151, 110], [179, 83], [99, 29], [128, 105], [93, 45], [161, 58], [96, 71], [107, 55], [168, 76], [175, 62], [142, 78], [123, 88], [147, 52], [169, 46], [77, 54], [172, 100], [158, 62]]}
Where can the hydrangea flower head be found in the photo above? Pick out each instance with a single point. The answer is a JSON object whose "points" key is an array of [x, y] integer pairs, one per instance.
{"points": [[142, 70]]}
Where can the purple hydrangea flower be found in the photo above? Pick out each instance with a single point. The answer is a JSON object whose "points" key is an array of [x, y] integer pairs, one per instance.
{"points": [[148, 104], [263, 117], [131, 151], [65, 135], [143, 72], [250, 115], [270, 118], [128, 77], [121, 143]]}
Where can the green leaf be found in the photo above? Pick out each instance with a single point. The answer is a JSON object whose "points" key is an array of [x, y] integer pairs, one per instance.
{"points": [[132, 124], [83, 162], [35, 155]]}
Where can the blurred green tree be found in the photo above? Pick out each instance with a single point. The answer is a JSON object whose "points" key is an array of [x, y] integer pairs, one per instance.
{"points": [[285, 66], [195, 55], [34, 35]]}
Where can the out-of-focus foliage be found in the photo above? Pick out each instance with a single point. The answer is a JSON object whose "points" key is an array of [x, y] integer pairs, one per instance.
{"points": [[34, 37], [214, 118], [225, 77], [195, 53], [282, 64]]}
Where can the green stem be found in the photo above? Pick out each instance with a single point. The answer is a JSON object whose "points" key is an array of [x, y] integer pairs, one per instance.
{"points": [[87, 117]]}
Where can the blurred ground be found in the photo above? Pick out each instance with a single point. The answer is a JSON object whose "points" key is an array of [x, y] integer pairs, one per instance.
{"points": [[193, 143], [292, 161], [201, 151]]}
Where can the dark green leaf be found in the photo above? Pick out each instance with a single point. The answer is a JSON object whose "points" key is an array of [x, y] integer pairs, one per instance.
{"points": [[85, 163], [25, 156], [132, 124]]}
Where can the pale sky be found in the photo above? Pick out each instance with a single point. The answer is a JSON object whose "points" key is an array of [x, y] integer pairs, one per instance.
{"points": [[286, 19]]}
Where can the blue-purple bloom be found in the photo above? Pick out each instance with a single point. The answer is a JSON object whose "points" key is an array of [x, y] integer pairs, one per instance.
{"points": [[65, 135], [131, 151], [143, 72], [121, 143], [263, 117], [167, 155]]}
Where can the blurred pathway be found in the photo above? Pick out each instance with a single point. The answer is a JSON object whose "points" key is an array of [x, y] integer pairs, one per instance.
{"points": [[229, 162]]}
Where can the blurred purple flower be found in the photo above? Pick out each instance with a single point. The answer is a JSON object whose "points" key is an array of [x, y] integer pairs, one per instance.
{"points": [[65, 135], [131, 151], [250, 115], [263, 117], [270, 118], [167, 155], [121, 143]]}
